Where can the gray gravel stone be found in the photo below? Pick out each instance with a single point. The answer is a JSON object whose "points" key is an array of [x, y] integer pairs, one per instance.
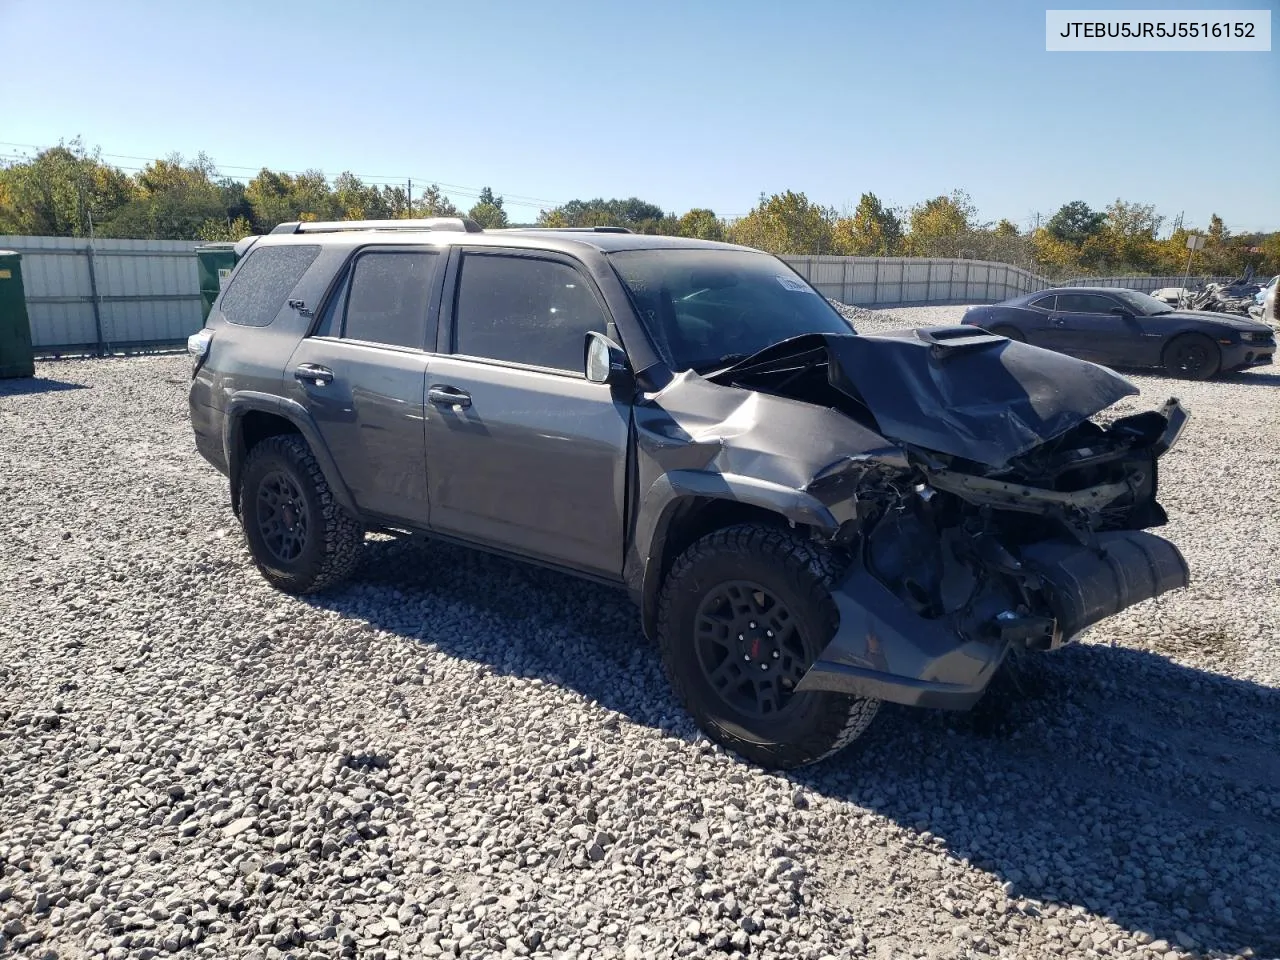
{"points": [[459, 755]]}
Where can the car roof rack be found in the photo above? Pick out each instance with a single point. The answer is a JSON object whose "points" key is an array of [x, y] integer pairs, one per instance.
{"points": [[575, 229], [454, 224]]}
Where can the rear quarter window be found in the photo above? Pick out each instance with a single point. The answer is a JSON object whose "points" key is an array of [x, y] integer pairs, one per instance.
{"points": [[264, 281]]}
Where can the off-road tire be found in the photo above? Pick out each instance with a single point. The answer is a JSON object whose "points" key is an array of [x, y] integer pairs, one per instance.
{"points": [[1010, 333], [817, 723], [334, 537], [1174, 356]]}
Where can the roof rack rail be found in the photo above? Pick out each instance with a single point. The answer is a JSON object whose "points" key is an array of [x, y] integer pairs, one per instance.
{"points": [[577, 229], [455, 224]]}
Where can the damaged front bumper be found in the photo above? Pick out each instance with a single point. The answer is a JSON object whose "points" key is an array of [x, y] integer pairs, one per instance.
{"points": [[885, 651]]}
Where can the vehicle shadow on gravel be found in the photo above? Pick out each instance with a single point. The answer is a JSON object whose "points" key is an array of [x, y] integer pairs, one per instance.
{"points": [[1105, 779], [1252, 378], [28, 385]]}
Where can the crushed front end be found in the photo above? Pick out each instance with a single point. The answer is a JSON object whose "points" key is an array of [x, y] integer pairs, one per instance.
{"points": [[1027, 529]]}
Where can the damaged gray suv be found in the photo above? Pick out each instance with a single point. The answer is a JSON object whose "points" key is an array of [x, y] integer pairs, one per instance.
{"points": [[810, 521]]}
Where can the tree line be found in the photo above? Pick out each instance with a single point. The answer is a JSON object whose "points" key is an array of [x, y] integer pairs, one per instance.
{"points": [[69, 191]]}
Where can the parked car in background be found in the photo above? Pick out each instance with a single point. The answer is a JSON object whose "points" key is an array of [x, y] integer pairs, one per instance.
{"points": [[1269, 308], [1172, 295], [1124, 328], [1261, 296]]}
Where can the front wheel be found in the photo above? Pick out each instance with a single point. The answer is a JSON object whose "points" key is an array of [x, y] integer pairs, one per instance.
{"points": [[300, 537], [743, 614], [1192, 356]]}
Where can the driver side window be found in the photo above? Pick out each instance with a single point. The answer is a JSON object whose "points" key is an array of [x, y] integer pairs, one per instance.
{"points": [[525, 310]]}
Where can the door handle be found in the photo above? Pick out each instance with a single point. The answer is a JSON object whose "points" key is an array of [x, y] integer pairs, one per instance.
{"points": [[313, 373], [449, 397], [1059, 322]]}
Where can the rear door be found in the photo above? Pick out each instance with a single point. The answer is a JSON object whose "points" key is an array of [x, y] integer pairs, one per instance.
{"points": [[362, 374], [524, 454]]}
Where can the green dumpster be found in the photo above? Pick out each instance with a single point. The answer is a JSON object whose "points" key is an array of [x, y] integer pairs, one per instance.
{"points": [[16, 357], [215, 260]]}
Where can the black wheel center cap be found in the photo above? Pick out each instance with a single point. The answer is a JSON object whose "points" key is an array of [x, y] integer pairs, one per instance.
{"points": [[756, 642]]}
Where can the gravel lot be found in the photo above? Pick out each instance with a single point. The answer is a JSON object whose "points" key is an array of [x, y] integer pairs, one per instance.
{"points": [[463, 756]]}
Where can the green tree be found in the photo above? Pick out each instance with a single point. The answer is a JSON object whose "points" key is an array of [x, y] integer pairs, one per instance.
{"points": [[357, 200], [433, 203], [941, 226], [702, 224], [632, 213], [173, 200], [1075, 222], [787, 223], [58, 191], [1127, 241], [212, 231], [279, 197], [488, 211], [872, 231]]}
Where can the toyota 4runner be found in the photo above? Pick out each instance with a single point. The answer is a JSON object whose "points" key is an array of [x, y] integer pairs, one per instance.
{"points": [[810, 521]]}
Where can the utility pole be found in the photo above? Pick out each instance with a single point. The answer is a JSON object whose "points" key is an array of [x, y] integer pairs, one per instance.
{"points": [[409, 212]]}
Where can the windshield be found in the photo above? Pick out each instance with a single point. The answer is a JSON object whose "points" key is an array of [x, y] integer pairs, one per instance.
{"points": [[706, 309], [1141, 304]]}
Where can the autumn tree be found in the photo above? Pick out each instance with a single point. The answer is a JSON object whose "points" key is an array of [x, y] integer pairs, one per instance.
{"points": [[872, 231], [939, 227], [58, 191], [1127, 241], [173, 200], [279, 197], [787, 223], [701, 224]]}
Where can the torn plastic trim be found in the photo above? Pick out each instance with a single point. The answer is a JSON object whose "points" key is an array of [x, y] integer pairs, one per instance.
{"points": [[883, 650]]}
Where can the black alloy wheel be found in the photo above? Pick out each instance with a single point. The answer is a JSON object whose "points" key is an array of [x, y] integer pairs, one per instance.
{"points": [[1192, 356], [283, 518], [750, 648]]}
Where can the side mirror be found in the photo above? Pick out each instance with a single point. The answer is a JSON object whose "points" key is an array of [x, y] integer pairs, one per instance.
{"points": [[606, 362], [1121, 312]]}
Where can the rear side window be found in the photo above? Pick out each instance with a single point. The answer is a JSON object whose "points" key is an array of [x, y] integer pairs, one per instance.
{"points": [[525, 310], [388, 296], [1084, 303], [264, 281]]}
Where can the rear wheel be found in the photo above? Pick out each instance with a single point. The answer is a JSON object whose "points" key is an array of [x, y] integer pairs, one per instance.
{"points": [[1012, 333], [300, 538], [1192, 356], [743, 614]]}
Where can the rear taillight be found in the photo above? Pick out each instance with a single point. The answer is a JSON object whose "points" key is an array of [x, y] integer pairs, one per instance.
{"points": [[198, 348]]}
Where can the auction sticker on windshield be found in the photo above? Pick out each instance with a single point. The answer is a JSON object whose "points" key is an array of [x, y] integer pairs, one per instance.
{"points": [[794, 285], [1231, 31]]}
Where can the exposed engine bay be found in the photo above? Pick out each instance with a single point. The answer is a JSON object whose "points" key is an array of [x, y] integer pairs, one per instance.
{"points": [[1012, 519]]}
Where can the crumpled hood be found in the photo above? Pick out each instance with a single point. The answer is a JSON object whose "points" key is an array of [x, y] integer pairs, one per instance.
{"points": [[952, 390]]}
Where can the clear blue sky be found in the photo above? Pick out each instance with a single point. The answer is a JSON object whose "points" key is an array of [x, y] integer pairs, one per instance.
{"points": [[693, 103]]}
